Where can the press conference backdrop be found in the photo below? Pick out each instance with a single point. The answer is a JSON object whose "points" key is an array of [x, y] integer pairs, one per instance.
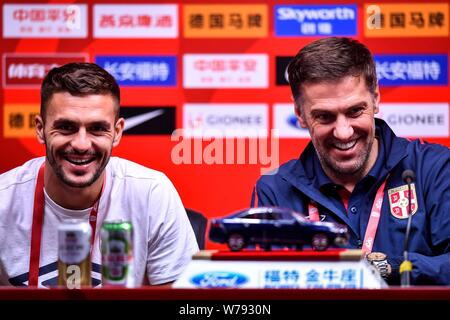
{"points": [[204, 91]]}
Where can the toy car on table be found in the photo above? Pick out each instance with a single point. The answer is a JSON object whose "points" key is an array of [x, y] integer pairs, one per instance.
{"points": [[270, 226]]}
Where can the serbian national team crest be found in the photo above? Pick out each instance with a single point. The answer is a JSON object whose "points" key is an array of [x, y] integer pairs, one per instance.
{"points": [[398, 201]]}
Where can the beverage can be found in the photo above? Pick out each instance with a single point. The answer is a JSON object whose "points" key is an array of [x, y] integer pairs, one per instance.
{"points": [[117, 253], [74, 258]]}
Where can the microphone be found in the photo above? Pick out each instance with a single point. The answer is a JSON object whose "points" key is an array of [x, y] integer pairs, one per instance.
{"points": [[408, 177]]}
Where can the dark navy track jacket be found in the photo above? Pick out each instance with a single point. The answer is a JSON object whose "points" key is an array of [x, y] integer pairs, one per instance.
{"points": [[299, 181]]}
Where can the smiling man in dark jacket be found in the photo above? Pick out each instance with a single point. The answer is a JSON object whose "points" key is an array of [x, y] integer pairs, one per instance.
{"points": [[351, 171]]}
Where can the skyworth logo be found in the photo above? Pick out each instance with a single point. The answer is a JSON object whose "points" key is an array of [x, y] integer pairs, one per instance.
{"points": [[316, 20]]}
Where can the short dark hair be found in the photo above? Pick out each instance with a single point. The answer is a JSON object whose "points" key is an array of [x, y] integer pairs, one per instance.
{"points": [[78, 79], [331, 59]]}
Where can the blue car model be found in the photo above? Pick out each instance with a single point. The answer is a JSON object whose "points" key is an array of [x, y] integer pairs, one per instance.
{"points": [[267, 226]]}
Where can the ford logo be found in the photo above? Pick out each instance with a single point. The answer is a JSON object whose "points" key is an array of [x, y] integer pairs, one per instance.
{"points": [[219, 279], [293, 122]]}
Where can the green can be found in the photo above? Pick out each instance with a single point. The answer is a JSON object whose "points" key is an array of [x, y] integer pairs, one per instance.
{"points": [[117, 253]]}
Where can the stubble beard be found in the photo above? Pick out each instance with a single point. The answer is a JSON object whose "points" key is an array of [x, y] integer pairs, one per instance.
{"points": [[357, 170], [59, 172]]}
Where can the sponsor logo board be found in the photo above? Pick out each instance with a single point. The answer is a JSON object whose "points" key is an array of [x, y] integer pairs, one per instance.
{"points": [[417, 119], [315, 20], [282, 78], [135, 21], [429, 69], [219, 279], [225, 120], [45, 21], [148, 120], [286, 123], [406, 20], [225, 21], [406, 119], [392, 70], [140, 70], [225, 71], [18, 120], [28, 70]]}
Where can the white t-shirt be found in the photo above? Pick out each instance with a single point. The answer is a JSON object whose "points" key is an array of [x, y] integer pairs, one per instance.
{"points": [[163, 237]]}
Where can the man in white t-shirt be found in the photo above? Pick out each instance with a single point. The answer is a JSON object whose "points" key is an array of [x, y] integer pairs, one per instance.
{"points": [[79, 124]]}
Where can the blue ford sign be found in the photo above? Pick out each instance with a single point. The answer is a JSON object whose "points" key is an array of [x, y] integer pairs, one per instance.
{"points": [[146, 71], [219, 279], [412, 69]]}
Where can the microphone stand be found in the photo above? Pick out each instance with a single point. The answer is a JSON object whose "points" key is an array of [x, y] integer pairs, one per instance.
{"points": [[406, 265]]}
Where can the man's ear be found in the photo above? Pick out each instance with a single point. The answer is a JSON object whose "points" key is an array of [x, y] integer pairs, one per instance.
{"points": [[118, 129], [300, 116], [39, 126], [376, 106]]}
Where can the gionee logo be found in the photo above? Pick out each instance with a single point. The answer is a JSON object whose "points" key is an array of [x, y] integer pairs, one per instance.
{"points": [[195, 121]]}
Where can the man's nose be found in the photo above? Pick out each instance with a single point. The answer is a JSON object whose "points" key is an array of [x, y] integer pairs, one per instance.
{"points": [[343, 130], [81, 141]]}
